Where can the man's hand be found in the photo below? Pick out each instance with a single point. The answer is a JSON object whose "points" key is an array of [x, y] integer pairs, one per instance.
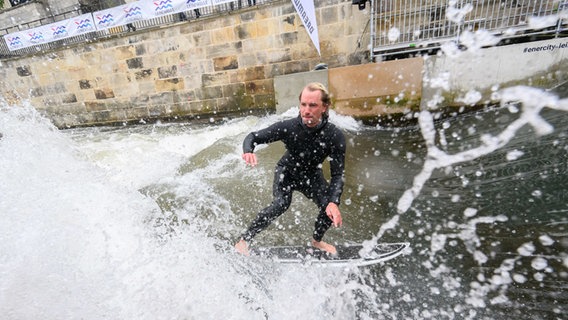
{"points": [[250, 159], [334, 214]]}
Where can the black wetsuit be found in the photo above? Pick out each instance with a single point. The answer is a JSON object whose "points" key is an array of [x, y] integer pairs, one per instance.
{"points": [[300, 169]]}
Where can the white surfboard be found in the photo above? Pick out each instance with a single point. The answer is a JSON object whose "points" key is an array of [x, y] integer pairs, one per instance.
{"points": [[349, 254]]}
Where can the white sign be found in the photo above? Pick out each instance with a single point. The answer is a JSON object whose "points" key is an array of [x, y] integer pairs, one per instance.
{"points": [[307, 13], [50, 32]]}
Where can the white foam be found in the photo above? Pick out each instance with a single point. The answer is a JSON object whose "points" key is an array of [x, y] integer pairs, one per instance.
{"points": [[77, 244]]}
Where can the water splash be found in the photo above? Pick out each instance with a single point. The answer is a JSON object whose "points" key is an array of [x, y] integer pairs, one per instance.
{"points": [[532, 101]]}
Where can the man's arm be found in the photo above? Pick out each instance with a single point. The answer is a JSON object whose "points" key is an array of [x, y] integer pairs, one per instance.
{"points": [[267, 135]]}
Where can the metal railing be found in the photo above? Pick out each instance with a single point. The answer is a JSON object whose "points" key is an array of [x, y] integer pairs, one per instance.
{"points": [[399, 26], [119, 30], [396, 26]]}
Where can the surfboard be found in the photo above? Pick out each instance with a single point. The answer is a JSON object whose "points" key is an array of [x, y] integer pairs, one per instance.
{"points": [[348, 254]]}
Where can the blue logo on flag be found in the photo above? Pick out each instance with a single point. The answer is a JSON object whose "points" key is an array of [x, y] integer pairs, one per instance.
{"points": [[59, 31], [15, 41], [164, 6], [83, 24], [36, 37], [133, 12], [105, 19]]}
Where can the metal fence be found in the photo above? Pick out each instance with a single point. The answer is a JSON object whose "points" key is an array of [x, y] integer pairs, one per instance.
{"points": [[138, 25], [399, 26], [396, 26]]}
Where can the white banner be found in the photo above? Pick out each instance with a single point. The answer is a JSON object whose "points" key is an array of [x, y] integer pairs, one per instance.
{"points": [[50, 32], [156, 8], [216, 2], [119, 16], [194, 4], [307, 13], [159, 8]]}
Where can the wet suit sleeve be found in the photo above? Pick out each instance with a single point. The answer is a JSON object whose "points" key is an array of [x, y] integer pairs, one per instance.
{"points": [[267, 135], [337, 167]]}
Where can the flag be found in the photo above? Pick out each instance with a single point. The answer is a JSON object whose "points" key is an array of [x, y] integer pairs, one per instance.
{"points": [[307, 13]]}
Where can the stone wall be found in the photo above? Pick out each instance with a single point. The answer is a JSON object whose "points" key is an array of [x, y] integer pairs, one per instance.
{"points": [[209, 66], [12, 18]]}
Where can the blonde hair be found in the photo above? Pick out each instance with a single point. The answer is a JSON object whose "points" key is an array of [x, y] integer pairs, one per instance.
{"points": [[315, 86]]}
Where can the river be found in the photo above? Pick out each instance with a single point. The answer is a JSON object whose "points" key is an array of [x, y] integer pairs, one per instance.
{"points": [[138, 222]]}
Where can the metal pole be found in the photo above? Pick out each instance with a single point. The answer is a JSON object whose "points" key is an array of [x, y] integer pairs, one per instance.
{"points": [[373, 26]]}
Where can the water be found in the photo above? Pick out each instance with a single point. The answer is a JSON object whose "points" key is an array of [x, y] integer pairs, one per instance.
{"points": [[138, 222]]}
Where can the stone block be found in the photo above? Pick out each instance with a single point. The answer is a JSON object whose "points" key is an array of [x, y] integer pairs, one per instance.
{"points": [[24, 71], [289, 23], [266, 28], [136, 113], [328, 15], [225, 63], [105, 116], [248, 16], [92, 106], [212, 79], [223, 35], [140, 49], [201, 38], [265, 102], [124, 52], [84, 84], [289, 38], [104, 93], [278, 55], [224, 49], [167, 72], [246, 31], [296, 66], [37, 92], [204, 106], [69, 98], [55, 88], [252, 73], [172, 84], [162, 98], [233, 90], [212, 92], [143, 74], [260, 87], [135, 63]]}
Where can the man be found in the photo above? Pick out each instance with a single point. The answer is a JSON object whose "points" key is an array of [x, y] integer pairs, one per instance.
{"points": [[309, 140]]}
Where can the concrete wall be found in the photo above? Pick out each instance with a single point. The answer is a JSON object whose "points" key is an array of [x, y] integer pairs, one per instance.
{"points": [[390, 90], [380, 88], [288, 87], [471, 77], [209, 66]]}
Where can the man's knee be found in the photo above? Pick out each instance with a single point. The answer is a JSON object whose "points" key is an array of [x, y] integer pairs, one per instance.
{"points": [[281, 204]]}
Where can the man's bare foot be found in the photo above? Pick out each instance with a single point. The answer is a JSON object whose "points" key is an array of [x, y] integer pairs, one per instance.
{"points": [[324, 246], [242, 247]]}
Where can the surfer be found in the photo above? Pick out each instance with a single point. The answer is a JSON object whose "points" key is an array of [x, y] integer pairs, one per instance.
{"points": [[309, 140]]}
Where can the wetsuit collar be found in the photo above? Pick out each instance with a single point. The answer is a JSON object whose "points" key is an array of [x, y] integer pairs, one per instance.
{"points": [[320, 125]]}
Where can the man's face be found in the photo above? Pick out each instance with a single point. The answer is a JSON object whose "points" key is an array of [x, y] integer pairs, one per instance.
{"points": [[311, 107]]}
